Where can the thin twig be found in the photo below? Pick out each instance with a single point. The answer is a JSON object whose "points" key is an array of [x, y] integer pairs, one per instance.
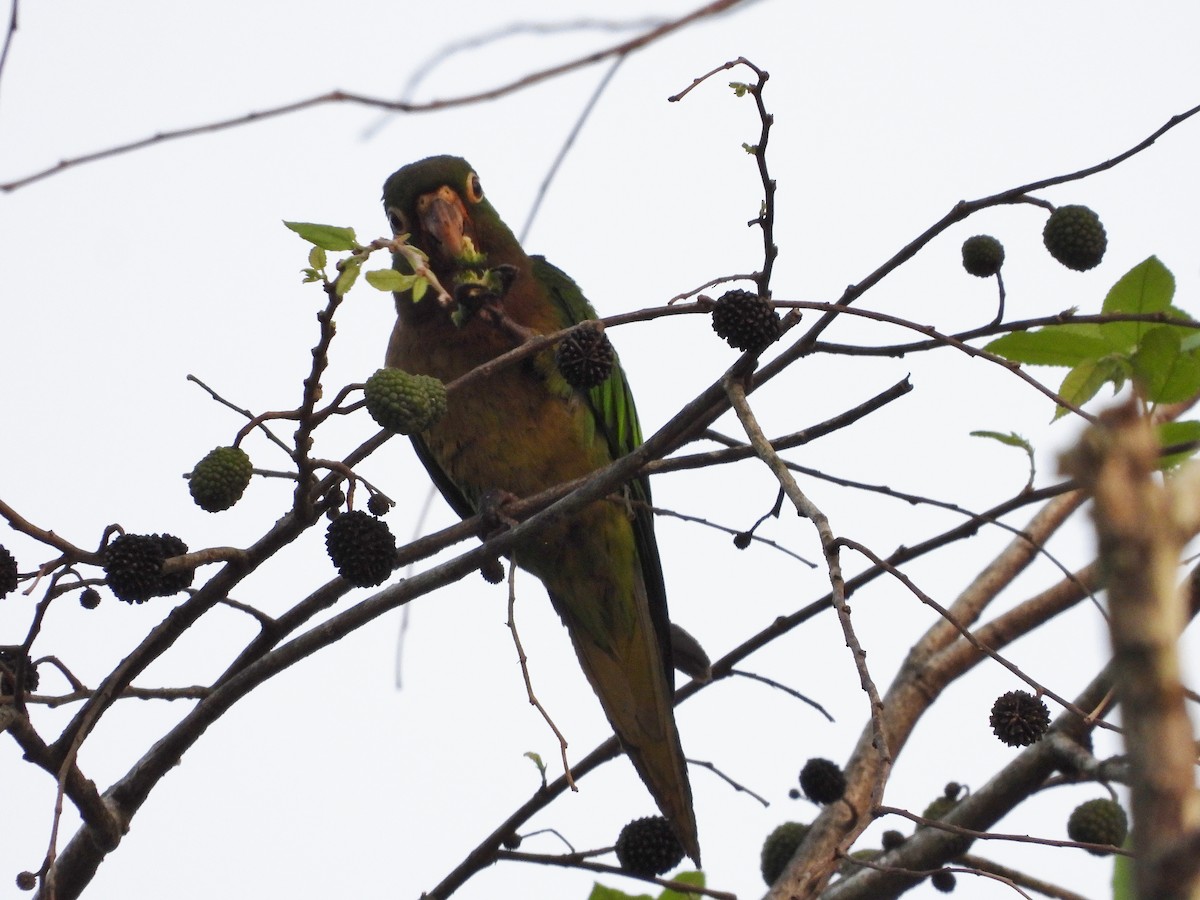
{"points": [[568, 143], [524, 661], [622, 49]]}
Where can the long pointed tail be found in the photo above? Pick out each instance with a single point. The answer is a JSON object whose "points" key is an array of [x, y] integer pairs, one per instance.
{"points": [[631, 682]]}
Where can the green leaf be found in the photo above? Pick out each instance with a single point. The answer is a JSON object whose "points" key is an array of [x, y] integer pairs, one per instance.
{"points": [[603, 892], [1085, 380], [349, 274], [1122, 880], [1146, 288], [1172, 433], [317, 258], [739, 88], [695, 879], [1163, 372], [327, 237], [537, 761], [1012, 439], [418, 289], [1054, 345], [390, 280]]}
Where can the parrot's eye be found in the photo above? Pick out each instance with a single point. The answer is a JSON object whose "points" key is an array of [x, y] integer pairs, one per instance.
{"points": [[397, 221], [474, 188]]}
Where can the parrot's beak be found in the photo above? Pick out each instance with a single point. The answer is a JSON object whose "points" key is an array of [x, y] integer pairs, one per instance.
{"points": [[443, 219]]}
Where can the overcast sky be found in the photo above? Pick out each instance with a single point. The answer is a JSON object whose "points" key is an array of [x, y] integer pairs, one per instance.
{"points": [[125, 275]]}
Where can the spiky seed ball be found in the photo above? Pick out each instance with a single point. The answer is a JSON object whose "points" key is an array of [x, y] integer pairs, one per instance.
{"points": [[648, 846], [1101, 821], [745, 320], [943, 880], [1019, 718], [822, 780], [133, 564], [512, 842], [15, 661], [8, 572], [89, 598], [404, 403], [1075, 237], [794, 794], [893, 839], [218, 481], [585, 357], [982, 255], [742, 539], [26, 881], [362, 548], [378, 505], [778, 849]]}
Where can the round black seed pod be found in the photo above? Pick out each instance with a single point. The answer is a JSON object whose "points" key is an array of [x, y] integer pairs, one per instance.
{"points": [[648, 846], [8, 572], [15, 661], [822, 780], [745, 320], [362, 548], [133, 565], [1019, 718], [585, 357]]}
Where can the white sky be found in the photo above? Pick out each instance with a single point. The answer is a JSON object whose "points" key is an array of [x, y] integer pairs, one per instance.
{"points": [[123, 276]]}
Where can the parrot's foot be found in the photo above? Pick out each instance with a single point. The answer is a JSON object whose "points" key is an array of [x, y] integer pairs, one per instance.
{"points": [[493, 519]]}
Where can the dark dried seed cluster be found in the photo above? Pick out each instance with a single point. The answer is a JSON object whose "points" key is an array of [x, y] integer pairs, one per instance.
{"points": [[362, 548], [745, 320], [822, 780], [15, 661], [8, 572], [648, 846], [1019, 718], [585, 357], [133, 564]]}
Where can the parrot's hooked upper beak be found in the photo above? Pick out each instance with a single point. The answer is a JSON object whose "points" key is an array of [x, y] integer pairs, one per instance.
{"points": [[444, 220]]}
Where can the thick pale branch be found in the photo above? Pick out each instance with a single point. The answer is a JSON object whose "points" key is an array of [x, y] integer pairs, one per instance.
{"points": [[1141, 537]]}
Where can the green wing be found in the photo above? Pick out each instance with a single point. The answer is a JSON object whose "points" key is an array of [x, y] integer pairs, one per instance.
{"points": [[616, 418]]}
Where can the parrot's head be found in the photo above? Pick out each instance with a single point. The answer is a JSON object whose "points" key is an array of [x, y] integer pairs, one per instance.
{"points": [[439, 202]]}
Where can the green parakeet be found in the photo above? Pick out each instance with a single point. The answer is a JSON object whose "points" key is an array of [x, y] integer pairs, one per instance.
{"points": [[526, 429]]}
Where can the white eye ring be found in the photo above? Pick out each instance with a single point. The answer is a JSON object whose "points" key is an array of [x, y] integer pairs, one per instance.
{"points": [[474, 188], [397, 221]]}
